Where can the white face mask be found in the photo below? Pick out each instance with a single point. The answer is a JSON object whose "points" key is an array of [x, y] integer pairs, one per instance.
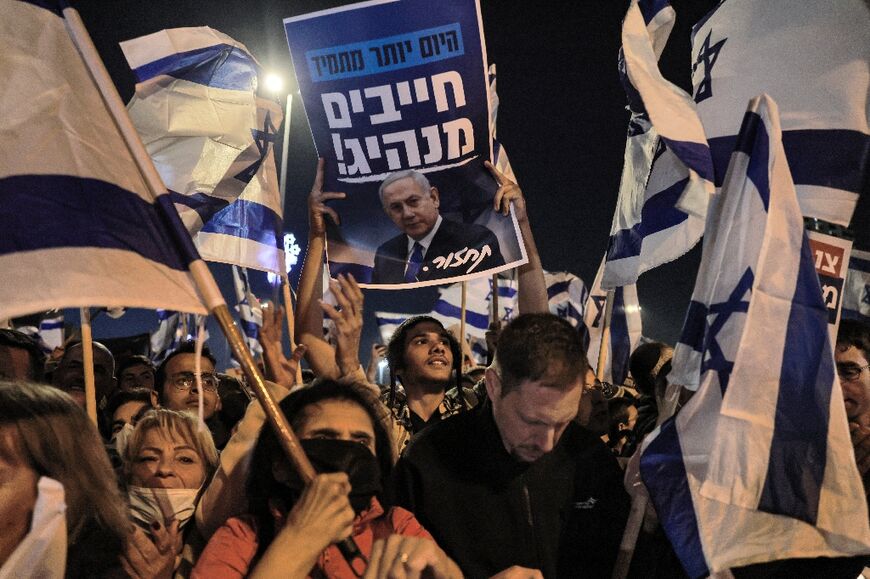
{"points": [[162, 505], [122, 437]]}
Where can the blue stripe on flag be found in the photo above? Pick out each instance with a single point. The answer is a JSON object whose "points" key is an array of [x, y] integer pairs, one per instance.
{"points": [[664, 474], [390, 321], [620, 342], [859, 264], [754, 141], [506, 291], [54, 6], [475, 319], [649, 8], [248, 220], [696, 156], [695, 326], [557, 288], [835, 158], [250, 328], [53, 325], [60, 211], [217, 66], [659, 213], [205, 206], [796, 467]]}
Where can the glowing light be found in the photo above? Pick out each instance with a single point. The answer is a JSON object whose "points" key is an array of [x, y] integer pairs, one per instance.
{"points": [[273, 83], [292, 252]]}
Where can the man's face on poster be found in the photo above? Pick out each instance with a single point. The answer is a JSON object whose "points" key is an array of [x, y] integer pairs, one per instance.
{"points": [[413, 209]]}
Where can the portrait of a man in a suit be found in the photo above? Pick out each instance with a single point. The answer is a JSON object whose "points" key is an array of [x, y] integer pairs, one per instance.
{"points": [[430, 246]]}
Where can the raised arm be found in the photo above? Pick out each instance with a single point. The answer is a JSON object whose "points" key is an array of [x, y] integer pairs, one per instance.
{"points": [[531, 287], [309, 316]]}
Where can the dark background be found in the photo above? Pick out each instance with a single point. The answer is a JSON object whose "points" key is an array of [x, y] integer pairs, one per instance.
{"points": [[561, 118]]}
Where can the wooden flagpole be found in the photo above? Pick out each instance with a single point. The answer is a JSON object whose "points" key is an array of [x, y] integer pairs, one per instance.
{"points": [[605, 334], [202, 277], [88, 364], [494, 300]]}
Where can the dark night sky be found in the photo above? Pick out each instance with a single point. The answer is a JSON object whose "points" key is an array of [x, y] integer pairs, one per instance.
{"points": [[562, 120]]}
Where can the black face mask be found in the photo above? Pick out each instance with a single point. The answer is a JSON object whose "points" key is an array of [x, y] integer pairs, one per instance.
{"points": [[329, 455]]}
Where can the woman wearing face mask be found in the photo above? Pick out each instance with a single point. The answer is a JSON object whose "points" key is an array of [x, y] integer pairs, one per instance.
{"points": [[291, 530], [61, 513], [167, 461]]}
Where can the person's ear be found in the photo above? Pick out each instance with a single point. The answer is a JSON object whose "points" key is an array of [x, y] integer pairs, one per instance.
{"points": [[435, 196], [155, 400], [493, 383]]}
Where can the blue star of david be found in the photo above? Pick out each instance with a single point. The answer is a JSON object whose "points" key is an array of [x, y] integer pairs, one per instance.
{"points": [[713, 358], [263, 139], [508, 312], [562, 311], [599, 309], [706, 56], [865, 299]]}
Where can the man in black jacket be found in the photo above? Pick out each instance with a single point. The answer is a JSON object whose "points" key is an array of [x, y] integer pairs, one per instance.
{"points": [[515, 485], [429, 247]]}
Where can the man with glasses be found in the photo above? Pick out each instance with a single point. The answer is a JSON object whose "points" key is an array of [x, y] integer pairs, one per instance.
{"points": [[852, 355], [178, 391]]}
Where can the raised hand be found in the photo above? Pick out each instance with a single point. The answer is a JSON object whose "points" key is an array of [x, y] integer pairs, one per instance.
{"points": [[508, 192], [348, 319], [317, 204]]}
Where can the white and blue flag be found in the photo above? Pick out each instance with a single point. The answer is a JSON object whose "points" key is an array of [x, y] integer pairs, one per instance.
{"points": [[856, 293], [625, 328], [758, 465], [388, 322], [813, 60], [667, 172], [249, 310], [211, 139], [80, 226], [168, 335]]}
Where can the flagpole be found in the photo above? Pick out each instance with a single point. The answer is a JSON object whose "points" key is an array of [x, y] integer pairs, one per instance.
{"points": [[88, 364], [495, 310], [282, 183], [199, 270], [462, 319], [605, 334], [291, 319]]}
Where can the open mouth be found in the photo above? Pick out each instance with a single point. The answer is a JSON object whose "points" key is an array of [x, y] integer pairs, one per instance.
{"points": [[437, 362]]}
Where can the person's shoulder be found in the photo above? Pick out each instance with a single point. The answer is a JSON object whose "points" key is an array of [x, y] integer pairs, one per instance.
{"points": [[445, 437], [583, 445]]}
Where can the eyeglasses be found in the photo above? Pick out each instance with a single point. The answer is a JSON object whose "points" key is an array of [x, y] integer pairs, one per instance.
{"points": [[850, 372], [184, 381]]}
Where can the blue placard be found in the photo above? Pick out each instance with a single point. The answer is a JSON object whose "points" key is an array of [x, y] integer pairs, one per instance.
{"points": [[394, 85]]}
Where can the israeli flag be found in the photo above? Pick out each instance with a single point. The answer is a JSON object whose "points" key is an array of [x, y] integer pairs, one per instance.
{"points": [[758, 465], [667, 172], [211, 138], [51, 331], [388, 322], [167, 337], [856, 293], [80, 226], [813, 59], [626, 328], [249, 310]]}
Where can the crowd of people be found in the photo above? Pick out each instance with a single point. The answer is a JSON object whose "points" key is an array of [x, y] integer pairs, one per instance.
{"points": [[516, 473]]}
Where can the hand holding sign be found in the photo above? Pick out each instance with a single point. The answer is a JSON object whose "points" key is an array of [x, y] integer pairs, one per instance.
{"points": [[317, 204], [508, 192]]}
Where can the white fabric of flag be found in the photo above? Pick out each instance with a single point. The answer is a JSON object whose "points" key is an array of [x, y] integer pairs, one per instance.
{"points": [[626, 328], [667, 171], [566, 294], [211, 137], [80, 227], [758, 465], [856, 292], [167, 337], [249, 310], [247, 232], [388, 322], [813, 60]]}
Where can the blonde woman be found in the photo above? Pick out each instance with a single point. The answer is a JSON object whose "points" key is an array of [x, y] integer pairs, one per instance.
{"points": [[166, 463]]}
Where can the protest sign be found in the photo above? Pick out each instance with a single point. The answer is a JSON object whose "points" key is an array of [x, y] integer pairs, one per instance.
{"points": [[392, 86], [831, 258]]}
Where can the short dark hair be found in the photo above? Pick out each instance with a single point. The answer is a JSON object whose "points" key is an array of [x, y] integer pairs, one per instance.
{"points": [[854, 333], [118, 399], [130, 361], [15, 339], [646, 363], [261, 484], [188, 347], [532, 344]]}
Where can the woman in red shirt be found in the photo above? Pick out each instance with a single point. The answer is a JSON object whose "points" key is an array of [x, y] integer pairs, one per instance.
{"points": [[291, 529]]}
